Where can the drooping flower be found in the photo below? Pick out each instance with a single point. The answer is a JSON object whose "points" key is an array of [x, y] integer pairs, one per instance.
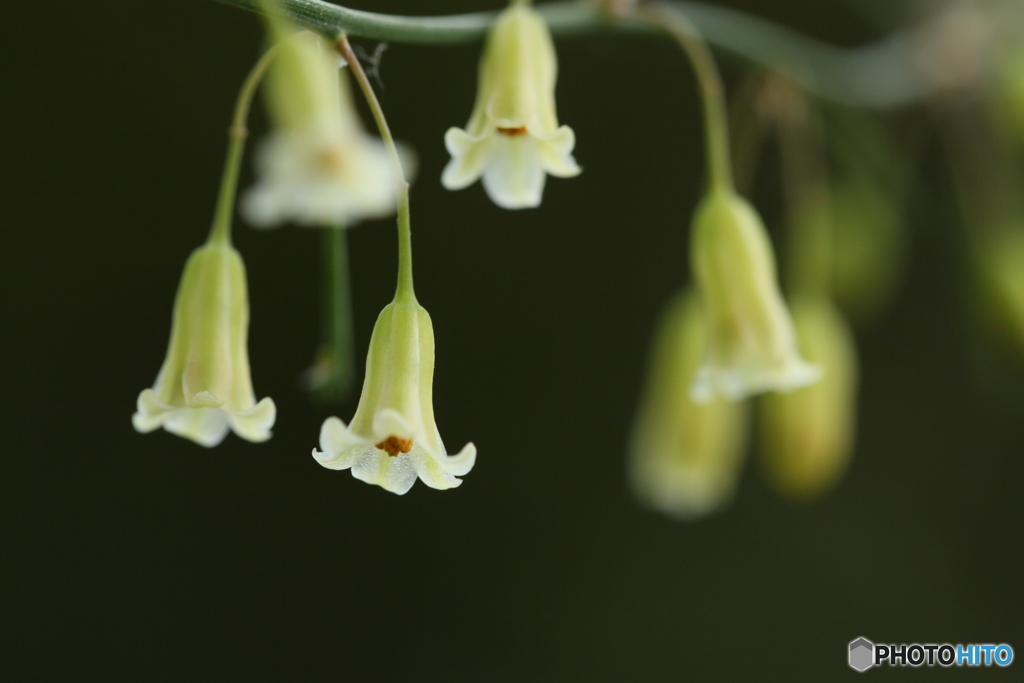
{"points": [[513, 138], [684, 457], [204, 388], [318, 167], [807, 435], [393, 438], [751, 346]]}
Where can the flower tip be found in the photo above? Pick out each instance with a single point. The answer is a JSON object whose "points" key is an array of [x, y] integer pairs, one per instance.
{"points": [[514, 196], [255, 424], [462, 462], [801, 374]]}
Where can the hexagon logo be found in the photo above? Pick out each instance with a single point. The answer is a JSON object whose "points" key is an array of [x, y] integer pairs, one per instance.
{"points": [[862, 654]]}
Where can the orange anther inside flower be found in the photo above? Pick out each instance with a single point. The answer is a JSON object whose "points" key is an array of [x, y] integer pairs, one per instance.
{"points": [[521, 130], [393, 445]]}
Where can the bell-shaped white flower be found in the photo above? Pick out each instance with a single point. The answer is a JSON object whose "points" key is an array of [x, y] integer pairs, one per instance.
{"points": [[513, 138], [318, 167], [751, 346], [393, 438], [684, 457], [204, 388]]}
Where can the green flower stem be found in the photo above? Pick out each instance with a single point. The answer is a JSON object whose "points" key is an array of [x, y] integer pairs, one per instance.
{"points": [[220, 231], [877, 75], [716, 122], [404, 291]]}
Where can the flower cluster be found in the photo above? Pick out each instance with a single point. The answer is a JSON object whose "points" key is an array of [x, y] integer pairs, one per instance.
{"points": [[730, 338]]}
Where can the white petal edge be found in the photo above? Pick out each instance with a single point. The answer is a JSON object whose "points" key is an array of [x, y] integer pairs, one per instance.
{"points": [[340, 446], [394, 474], [468, 159], [556, 153], [254, 424], [737, 384], [206, 426]]}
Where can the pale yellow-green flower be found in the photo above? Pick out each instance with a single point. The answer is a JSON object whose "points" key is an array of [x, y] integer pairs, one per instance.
{"points": [[684, 457], [807, 435], [393, 438], [513, 138], [204, 388], [318, 167], [751, 346]]}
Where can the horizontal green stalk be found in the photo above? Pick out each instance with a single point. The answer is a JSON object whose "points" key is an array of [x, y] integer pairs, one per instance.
{"points": [[877, 75]]}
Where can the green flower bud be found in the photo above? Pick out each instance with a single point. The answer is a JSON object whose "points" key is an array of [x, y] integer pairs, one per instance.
{"points": [[751, 347], [868, 247], [393, 438], [513, 137], [807, 435], [684, 457], [204, 387]]}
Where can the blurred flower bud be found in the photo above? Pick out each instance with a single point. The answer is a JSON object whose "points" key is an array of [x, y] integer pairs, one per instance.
{"points": [[513, 137], [204, 387], [684, 457], [751, 347], [393, 438], [807, 435], [1000, 268], [318, 167], [868, 246]]}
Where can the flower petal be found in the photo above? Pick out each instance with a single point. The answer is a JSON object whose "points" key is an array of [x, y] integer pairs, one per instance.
{"points": [[469, 156], [556, 153], [340, 446], [460, 463], [390, 422], [206, 426], [514, 177], [739, 382], [150, 412], [431, 472], [254, 424], [396, 474]]}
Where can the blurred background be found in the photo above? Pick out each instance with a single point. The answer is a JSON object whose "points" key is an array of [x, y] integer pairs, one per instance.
{"points": [[130, 557]]}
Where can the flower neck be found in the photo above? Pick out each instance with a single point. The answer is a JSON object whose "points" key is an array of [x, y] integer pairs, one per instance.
{"points": [[404, 293]]}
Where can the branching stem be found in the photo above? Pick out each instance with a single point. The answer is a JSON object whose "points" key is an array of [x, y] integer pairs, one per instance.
{"points": [[882, 74]]}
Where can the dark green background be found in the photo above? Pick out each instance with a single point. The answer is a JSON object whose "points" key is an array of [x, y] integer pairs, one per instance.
{"points": [[128, 557]]}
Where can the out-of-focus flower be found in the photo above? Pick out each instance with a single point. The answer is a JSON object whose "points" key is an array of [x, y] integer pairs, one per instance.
{"points": [[1000, 268], [204, 387], [807, 435], [751, 346], [684, 457], [513, 138], [393, 438], [318, 167], [867, 230]]}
